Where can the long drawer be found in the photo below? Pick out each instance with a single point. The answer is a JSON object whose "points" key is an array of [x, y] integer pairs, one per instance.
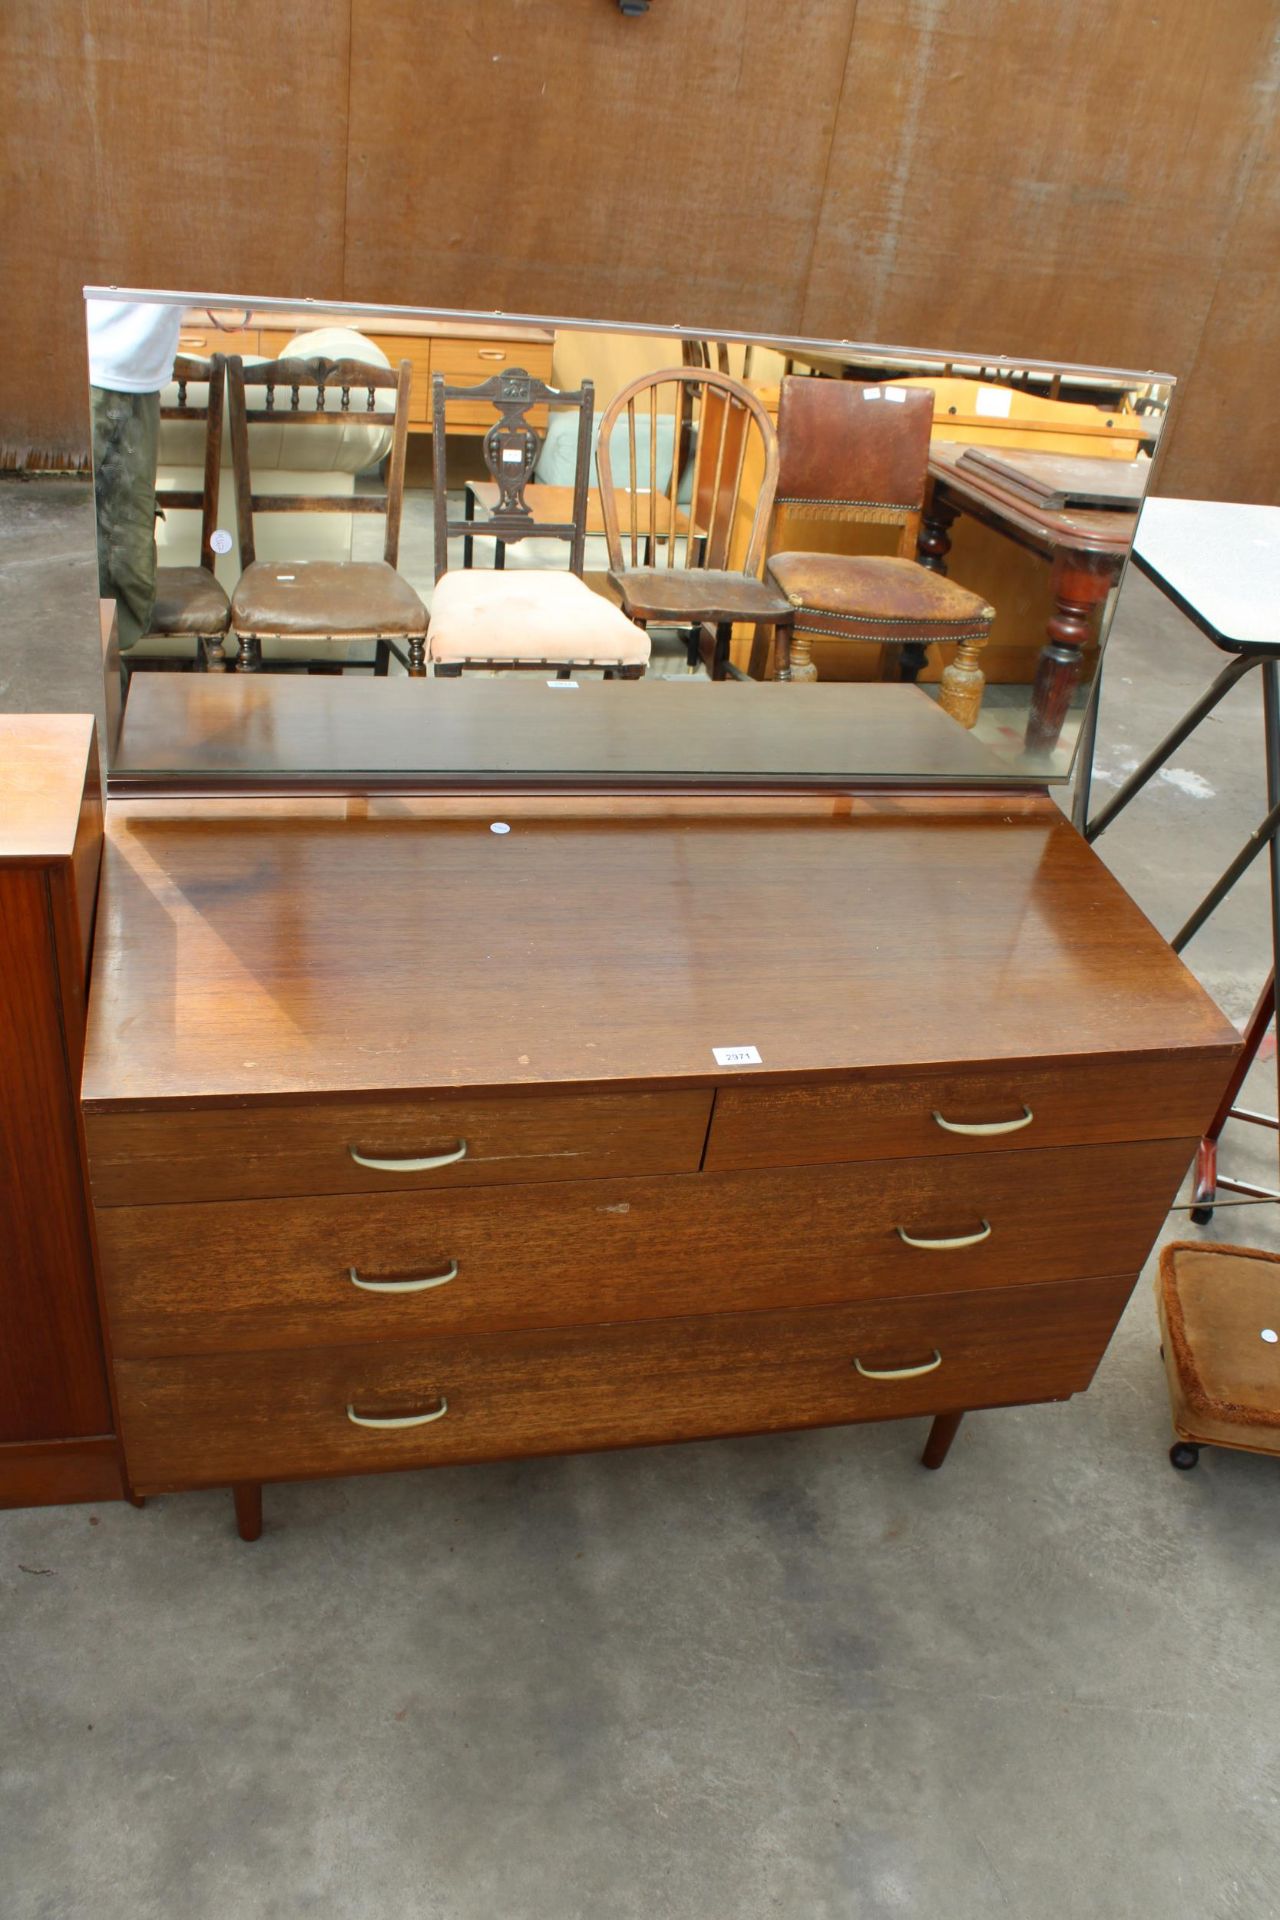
{"points": [[260, 1416], [151, 1156], [283, 1273], [887, 1117]]}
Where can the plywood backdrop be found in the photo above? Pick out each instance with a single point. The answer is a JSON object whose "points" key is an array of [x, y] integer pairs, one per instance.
{"points": [[1096, 182]]}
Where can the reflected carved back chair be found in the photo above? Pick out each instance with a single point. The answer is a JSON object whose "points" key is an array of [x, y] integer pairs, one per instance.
{"points": [[301, 603], [855, 453], [523, 618], [687, 578], [191, 610]]}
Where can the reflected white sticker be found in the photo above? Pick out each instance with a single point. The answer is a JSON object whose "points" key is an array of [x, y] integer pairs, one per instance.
{"points": [[896, 393], [512, 456], [996, 401], [220, 540], [871, 393], [563, 683], [286, 576], [499, 826], [1270, 1335], [737, 1056]]}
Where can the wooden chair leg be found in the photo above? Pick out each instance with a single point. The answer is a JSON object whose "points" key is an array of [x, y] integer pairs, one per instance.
{"points": [[247, 1495], [418, 657], [943, 1431], [381, 660], [962, 684], [782, 650], [720, 650]]}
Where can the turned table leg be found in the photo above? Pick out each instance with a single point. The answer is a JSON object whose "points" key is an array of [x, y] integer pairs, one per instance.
{"points": [[943, 1431], [247, 1495], [934, 542], [1080, 583]]}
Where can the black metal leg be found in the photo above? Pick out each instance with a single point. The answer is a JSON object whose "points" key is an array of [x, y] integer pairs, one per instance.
{"points": [[1233, 671], [1261, 837], [1084, 755]]}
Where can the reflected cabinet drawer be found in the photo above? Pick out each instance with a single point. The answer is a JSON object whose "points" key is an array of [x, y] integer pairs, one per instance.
{"points": [[212, 1419], [981, 1110], [342, 1270], [410, 1145]]}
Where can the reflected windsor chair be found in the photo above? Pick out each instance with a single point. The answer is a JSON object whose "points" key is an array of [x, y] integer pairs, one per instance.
{"points": [[716, 419]]}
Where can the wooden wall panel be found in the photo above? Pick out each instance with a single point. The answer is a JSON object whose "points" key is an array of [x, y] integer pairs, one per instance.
{"points": [[193, 144], [1226, 439], [1088, 182], [1056, 181], [564, 159]]}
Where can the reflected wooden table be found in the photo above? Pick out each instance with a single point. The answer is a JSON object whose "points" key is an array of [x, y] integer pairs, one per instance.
{"points": [[1086, 551]]}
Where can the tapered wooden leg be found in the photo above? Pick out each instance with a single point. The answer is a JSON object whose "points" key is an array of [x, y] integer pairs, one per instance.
{"points": [[247, 1495], [943, 1431], [961, 687]]}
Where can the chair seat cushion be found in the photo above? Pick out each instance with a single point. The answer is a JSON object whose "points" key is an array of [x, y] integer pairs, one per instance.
{"points": [[311, 599], [688, 595], [482, 616], [876, 597], [188, 600]]}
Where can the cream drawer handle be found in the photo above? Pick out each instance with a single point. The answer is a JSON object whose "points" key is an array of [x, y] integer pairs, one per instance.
{"points": [[979, 1127], [410, 1165], [491, 353], [945, 1246], [398, 1420], [899, 1373], [406, 1286]]}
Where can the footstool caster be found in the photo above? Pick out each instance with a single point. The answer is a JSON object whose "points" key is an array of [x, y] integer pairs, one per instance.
{"points": [[1184, 1455]]}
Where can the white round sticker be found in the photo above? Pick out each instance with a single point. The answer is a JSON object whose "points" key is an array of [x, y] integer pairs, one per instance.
{"points": [[499, 826], [1270, 1335], [220, 541]]}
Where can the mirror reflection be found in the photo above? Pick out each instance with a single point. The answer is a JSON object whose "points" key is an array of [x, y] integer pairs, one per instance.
{"points": [[300, 495]]}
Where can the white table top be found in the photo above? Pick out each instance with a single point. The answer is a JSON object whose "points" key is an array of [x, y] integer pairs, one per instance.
{"points": [[1219, 561]]}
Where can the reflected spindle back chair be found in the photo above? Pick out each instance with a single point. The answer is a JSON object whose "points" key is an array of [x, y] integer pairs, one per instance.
{"points": [[306, 601], [693, 564]]}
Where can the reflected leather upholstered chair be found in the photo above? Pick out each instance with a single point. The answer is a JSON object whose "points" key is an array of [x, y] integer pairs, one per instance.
{"points": [[521, 618], [688, 580], [299, 604], [191, 610], [855, 453]]}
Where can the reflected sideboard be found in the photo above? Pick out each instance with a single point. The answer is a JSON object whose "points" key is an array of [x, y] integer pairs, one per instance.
{"points": [[410, 1145]]}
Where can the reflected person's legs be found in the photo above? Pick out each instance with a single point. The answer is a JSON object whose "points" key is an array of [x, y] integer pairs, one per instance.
{"points": [[126, 440]]}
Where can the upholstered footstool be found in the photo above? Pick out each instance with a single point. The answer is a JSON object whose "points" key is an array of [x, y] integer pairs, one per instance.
{"points": [[1219, 1310]]}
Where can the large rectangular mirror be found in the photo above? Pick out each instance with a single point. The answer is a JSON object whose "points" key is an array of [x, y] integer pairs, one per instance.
{"points": [[356, 546]]}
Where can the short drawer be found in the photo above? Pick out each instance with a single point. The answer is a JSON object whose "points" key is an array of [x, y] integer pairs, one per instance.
{"points": [[886, 1117], [225, 1153], [330, 1271], [261, 1416]]}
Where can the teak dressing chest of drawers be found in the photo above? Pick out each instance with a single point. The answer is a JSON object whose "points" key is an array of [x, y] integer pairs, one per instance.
{"points": [[408, 1143]]}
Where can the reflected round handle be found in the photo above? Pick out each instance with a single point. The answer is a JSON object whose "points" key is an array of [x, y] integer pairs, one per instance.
{"points": [[409, 1163], [405, 1286], [899, 1373], [981, 1127], [398, 1420], [946, 1246]]}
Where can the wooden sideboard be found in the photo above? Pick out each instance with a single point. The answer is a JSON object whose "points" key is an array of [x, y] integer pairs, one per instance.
{"points": [[409, 1144], [464, 351], [57, 1434]]}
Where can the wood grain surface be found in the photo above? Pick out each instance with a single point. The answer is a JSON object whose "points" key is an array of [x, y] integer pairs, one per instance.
{"points": [[213, 1419], [217, 728], [891, 1116], [147, 1158], [243, 958], [279, 1273]]}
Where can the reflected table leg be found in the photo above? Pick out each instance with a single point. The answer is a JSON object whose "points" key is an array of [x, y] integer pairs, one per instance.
{"points": [[1080, 584]]}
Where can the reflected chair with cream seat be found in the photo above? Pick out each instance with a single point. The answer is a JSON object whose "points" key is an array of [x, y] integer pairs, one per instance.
{"points": [[300, 606], [861, 454], [685, 580], [521, 618]]}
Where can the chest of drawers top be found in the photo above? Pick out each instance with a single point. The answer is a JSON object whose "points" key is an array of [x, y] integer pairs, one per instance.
{"points": [[303, 952]]}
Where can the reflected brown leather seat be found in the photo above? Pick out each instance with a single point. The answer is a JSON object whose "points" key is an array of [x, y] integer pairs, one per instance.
{"points": [[855, 453], [313, 599], [188, 600]]}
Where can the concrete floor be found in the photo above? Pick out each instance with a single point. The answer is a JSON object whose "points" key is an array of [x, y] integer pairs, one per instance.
{"points": [[793, 1676]]}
